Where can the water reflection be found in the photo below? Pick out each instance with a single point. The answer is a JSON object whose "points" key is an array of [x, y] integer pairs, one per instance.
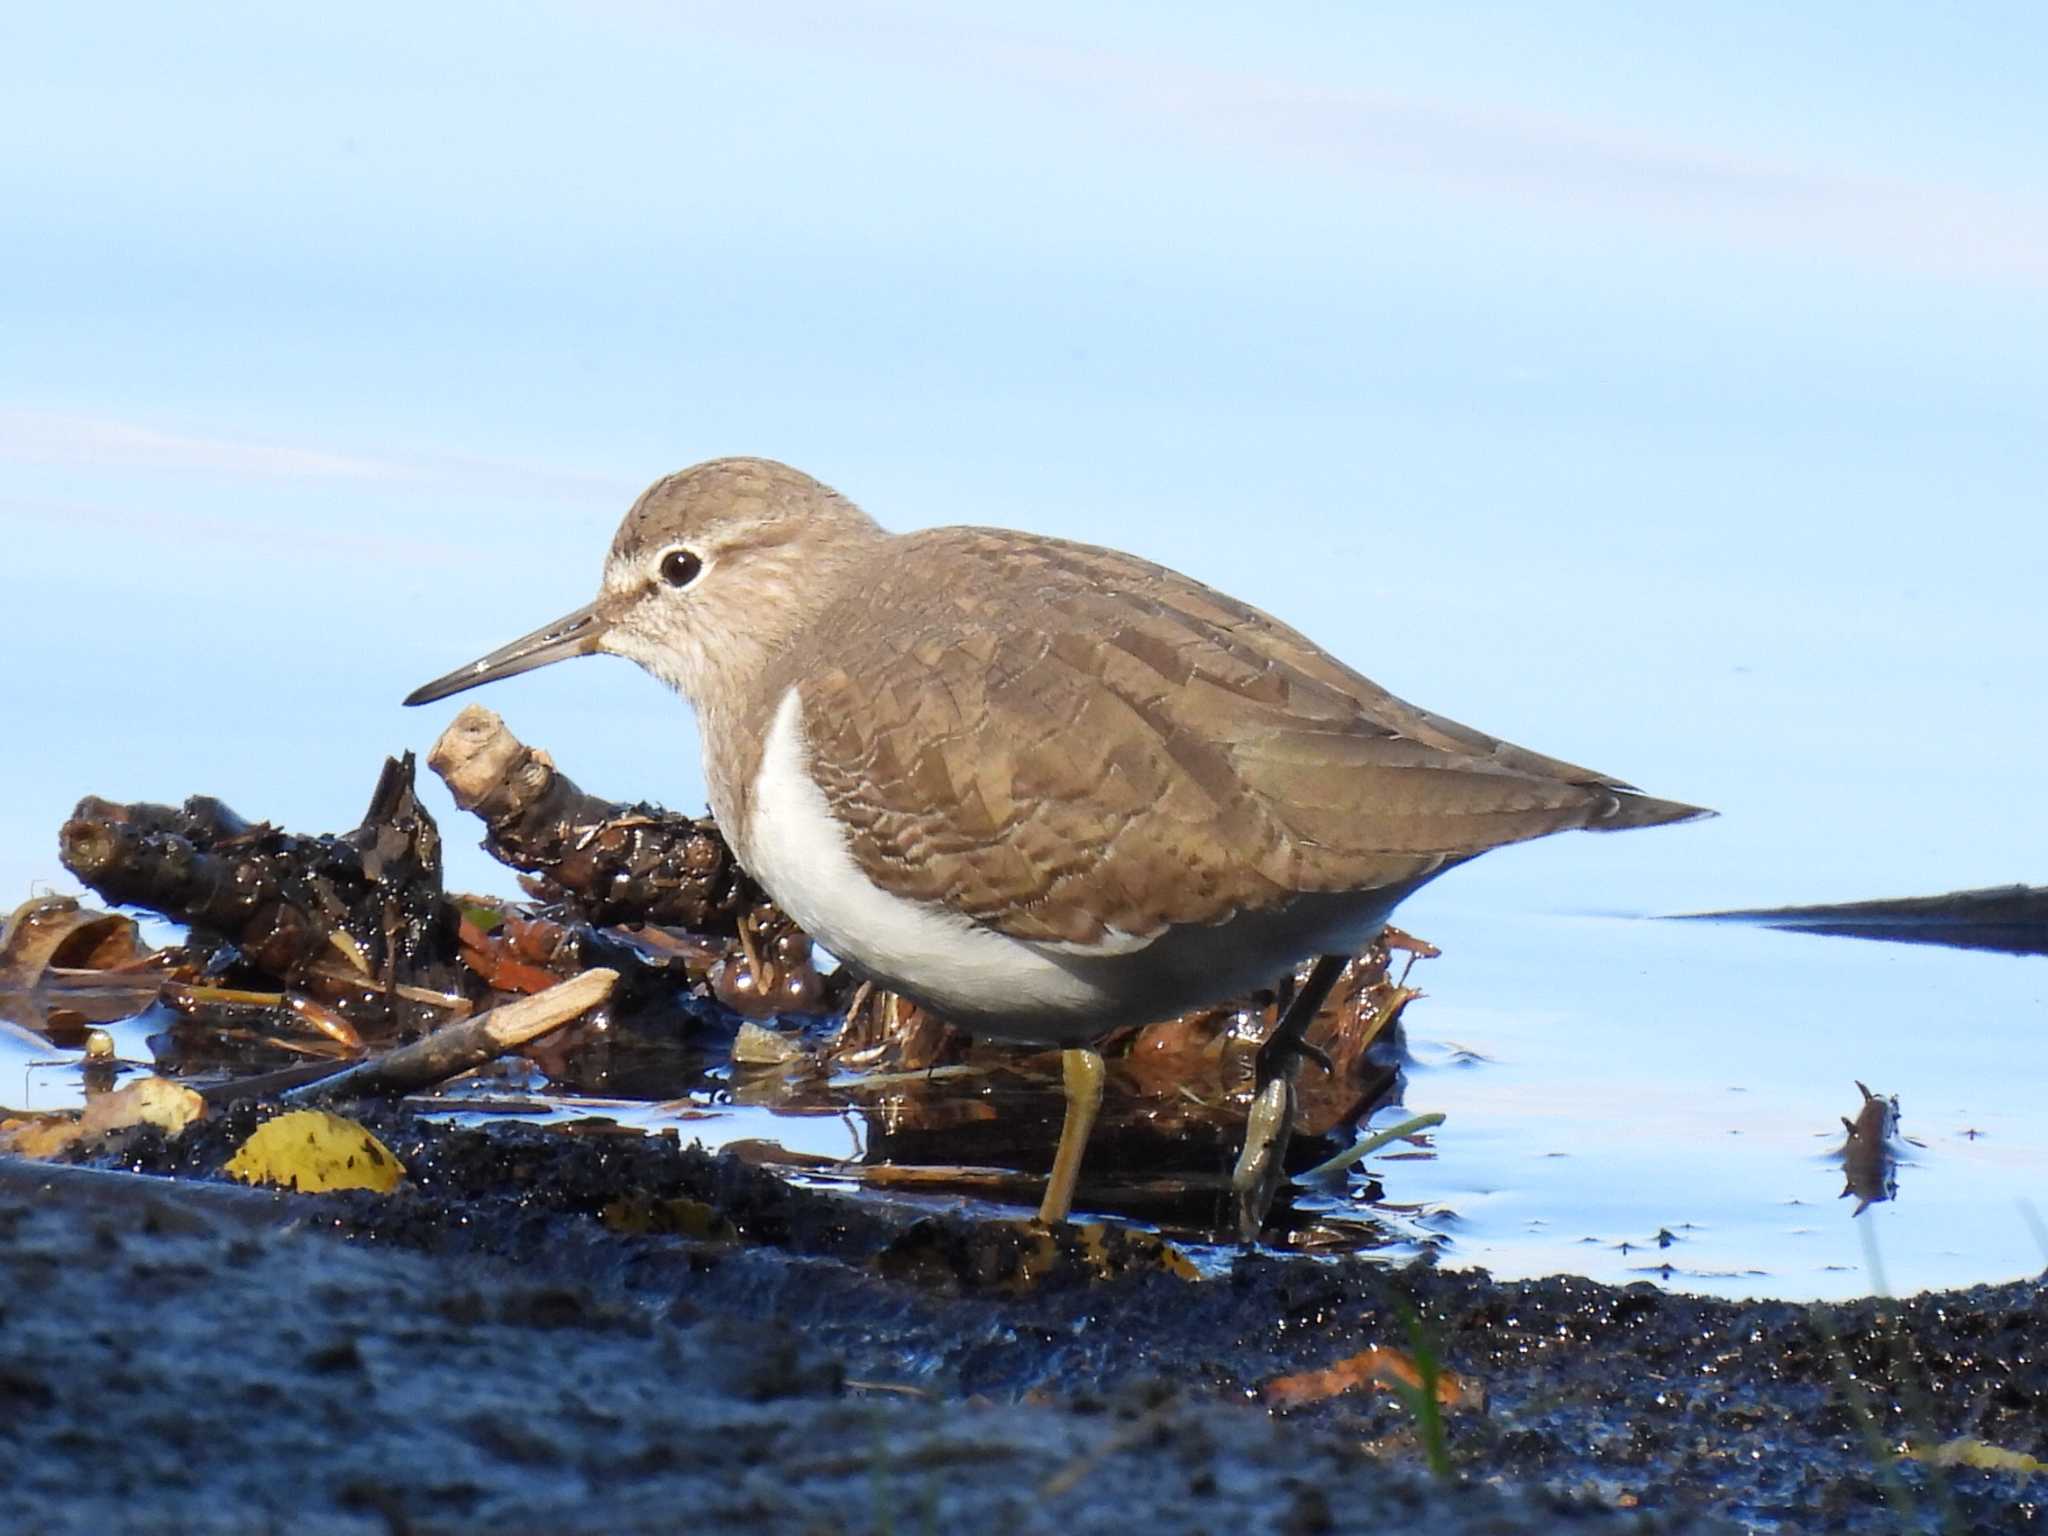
{"points": [[1869, 1154], [1680, 1082]]}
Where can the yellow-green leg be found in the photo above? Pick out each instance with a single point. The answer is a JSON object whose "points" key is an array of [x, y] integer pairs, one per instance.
{"points": [[1083, 1072], [1262, 1164]]}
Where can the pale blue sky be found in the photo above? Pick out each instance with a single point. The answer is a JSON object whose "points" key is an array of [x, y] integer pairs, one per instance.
{"points": [[1663, 391]]}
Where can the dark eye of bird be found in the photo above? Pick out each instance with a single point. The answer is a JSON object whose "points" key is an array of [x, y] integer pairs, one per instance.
{"points": [[679, 567]]}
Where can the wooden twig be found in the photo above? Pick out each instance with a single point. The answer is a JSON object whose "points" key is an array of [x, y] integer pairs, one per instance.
{"points": [[619, 863], [457, 1048]]}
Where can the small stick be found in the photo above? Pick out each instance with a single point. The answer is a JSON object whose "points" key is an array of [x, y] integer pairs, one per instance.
{"points": [[1359, 1150], [262, 1085], [462, 1047]]}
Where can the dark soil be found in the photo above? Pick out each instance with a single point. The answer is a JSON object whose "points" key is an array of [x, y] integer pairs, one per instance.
{"points": [[550, 1331]]}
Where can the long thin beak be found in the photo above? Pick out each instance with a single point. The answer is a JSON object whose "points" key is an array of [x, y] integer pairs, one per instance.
{"points": [[574, 634]]}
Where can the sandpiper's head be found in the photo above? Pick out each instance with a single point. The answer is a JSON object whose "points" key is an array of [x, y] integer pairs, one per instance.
{"points": [[712, 569]]}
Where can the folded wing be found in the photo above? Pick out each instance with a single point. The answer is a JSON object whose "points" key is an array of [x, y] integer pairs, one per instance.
{"points": [[1145, 752]]}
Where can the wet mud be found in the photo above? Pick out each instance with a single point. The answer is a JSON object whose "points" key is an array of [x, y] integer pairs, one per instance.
{"points": [[611, 1332]]}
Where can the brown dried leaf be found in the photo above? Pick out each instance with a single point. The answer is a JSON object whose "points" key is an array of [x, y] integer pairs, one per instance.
{"points": [[1379, 1366], [38, 1136], [58, 971], [756, 1046], [56, 931], [151, 1101], [496, 958]]}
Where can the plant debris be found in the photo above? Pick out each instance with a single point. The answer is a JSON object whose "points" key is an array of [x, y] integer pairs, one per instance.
{"points": [[65, 967], [356, 923], [612, 863], [1378, 1365], [337, 966], [464, 1046], [151, 1101]]}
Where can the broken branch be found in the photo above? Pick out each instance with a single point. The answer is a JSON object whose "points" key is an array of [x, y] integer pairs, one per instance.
{"points": [[463, 1047]]}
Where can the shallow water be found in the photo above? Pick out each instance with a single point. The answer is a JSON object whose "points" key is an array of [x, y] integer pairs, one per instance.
{"points": [[1627, 1099], [1691, 1079]]}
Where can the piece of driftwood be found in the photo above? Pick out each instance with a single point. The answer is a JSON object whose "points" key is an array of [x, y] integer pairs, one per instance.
{"points": [[458, 1048], [615, 863], [263, 1085], [360, 916]]}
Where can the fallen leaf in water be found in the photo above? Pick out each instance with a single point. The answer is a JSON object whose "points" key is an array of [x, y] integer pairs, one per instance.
{"points": [[326, 1020], [57, 931], [152, 1101], [58, 971], [312, 1151], [1378, 1366]]}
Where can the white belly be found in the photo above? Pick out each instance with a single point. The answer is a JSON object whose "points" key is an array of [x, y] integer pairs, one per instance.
{"points": [[985, 981]]}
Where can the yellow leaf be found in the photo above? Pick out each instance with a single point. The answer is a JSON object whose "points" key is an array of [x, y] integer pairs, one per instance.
{"points": [[149, 1101], [38, 1136], [312, 1151], [1985, 1458]]}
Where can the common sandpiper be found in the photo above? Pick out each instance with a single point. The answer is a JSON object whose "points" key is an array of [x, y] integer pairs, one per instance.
{"points": [[1043, 788]]}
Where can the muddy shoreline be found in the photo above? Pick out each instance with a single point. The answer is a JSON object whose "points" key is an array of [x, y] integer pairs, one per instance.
{"points": [[613, 1333]]}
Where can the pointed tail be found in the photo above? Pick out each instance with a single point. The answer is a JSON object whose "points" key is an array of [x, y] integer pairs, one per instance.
{"points": [[1629, 809]]}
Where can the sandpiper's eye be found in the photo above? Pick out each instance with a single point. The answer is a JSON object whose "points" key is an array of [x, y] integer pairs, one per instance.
{"points": [[679, 567]]}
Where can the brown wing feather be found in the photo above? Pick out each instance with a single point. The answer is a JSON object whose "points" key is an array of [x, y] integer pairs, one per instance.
{"points": [[1077, 741]]}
